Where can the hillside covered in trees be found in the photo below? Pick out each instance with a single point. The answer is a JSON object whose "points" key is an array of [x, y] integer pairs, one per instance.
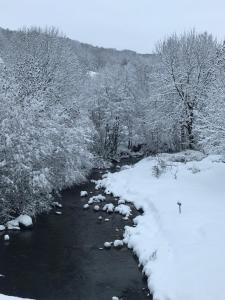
{"points": [[67, 107]]}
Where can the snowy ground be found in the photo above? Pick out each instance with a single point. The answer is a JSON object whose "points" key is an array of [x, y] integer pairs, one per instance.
{"points": [[183, 254]]}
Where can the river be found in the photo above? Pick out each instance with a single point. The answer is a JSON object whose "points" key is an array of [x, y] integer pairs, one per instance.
{"points": [[60, 258]]}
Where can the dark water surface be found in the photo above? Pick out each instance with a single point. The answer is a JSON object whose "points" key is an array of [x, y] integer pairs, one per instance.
{"points": [[60, 258]]}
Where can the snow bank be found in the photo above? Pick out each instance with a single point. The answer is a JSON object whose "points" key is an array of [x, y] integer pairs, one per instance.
{"points": [[182, 254], [4, 297]]}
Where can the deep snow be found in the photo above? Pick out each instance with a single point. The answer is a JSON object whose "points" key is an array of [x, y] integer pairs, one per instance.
{"points": [[182, 253]]}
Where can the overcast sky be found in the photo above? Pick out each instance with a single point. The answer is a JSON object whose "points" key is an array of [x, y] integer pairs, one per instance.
{"points": [[121, 24]]}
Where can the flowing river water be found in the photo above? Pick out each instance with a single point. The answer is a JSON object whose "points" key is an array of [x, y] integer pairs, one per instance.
{"points": [[60, 258]]}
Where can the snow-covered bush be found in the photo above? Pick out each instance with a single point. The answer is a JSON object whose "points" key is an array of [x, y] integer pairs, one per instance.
{"points": [[159, 168]]}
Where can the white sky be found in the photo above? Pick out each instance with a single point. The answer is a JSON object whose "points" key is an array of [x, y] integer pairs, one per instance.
{"points": [[121, 24]]}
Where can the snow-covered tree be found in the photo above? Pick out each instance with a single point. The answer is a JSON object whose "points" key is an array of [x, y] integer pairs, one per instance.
{"points": [[188, 71], [44, 141]]}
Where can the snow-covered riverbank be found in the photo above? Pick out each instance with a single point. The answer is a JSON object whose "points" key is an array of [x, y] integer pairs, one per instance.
{"points": [[182, 253], [4, 297]]}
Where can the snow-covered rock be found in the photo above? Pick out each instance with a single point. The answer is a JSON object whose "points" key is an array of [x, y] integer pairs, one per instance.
{"points": [[100, 218], [58, 213], [115, 298], [6, 237], [2, 227], [96, 199], [13, 225], [83, 193], [118, 243], [96, 208], [107, 245], [85, 206], [107, 220], [123, 209], [109, 208], [121, 201], [57, 204], [23, 221]]}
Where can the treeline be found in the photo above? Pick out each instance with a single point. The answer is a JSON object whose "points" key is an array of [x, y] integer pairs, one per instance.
{"points": [[66, 107], [45, 139], [169, 101]]}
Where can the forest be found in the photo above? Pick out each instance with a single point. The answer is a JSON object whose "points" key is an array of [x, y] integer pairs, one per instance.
{"points": [[67, 107]]}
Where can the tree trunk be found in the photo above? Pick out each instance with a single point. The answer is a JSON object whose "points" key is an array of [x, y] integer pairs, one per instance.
{"points": [[190, 126]]}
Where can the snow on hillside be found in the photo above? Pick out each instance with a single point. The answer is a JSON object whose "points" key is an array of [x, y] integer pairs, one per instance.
{"points": [[182, 253]]}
